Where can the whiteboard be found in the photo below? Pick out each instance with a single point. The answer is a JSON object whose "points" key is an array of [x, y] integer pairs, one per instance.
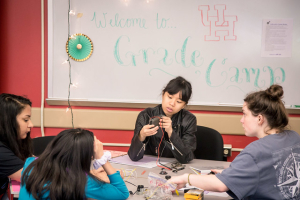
{"points": [[139, 45]]}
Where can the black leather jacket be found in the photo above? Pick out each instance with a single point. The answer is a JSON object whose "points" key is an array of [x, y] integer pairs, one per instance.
{"points": [[181, 145]]}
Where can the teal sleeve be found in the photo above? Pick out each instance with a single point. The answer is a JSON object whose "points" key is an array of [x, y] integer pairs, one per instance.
{"points": [[27, 162], [115, 190], [24, 194]]}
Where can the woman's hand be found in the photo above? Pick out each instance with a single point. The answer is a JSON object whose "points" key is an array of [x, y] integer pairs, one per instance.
{"points": [[146, 131], [98, 148], [166, 123], [121, 173], [180, 181], [216, 171]]}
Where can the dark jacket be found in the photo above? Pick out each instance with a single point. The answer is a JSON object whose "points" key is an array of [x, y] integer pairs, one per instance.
{"points": [[181, 145]]}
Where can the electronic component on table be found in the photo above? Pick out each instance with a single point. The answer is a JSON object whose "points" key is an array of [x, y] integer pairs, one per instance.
{"points": [[140, 190], [192, 194], [175, 170]]}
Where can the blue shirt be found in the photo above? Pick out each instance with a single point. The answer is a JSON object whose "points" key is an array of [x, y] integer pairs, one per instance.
{"points": [[94, 189]]}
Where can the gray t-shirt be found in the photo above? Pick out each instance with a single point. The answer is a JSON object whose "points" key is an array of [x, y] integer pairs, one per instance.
{"points": [[268, 168]]}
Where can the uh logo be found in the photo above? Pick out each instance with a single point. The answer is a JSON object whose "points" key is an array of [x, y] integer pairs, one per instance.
{"points": [[219, 24]]}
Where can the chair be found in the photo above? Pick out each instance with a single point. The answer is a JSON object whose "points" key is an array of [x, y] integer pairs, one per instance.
{"points": [[209, 144], [40, 144]]}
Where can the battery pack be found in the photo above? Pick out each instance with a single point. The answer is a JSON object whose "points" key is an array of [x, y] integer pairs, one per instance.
{"points": [[194, 194]]}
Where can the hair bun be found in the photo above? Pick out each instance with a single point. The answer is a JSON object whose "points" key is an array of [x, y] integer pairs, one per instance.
{"points": [[275, 92]]}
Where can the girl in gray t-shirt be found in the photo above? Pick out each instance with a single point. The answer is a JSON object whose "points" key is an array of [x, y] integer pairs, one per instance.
{"points": [[267, 168]]}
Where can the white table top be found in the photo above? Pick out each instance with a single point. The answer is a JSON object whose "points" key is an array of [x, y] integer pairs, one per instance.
{"points": [[142, 179]]}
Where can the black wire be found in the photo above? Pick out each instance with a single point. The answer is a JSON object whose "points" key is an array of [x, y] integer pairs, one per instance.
{"points": [[162, 149], [70, 82], [133, 185], [161, 155], [130, 183]]}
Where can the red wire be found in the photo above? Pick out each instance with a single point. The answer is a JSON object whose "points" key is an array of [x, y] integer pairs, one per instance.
{"points": [[163, 134]]}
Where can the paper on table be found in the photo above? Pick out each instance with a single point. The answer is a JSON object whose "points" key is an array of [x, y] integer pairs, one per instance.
{"points": [[116, 153], [210, 167], [219, 194], [147, 161], [207, 169], [15, 185]]}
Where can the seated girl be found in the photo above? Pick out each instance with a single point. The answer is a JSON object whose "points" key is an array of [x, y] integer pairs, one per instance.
{"points": [[267, 168], [15, 141], [62, 171], [175, 135]]}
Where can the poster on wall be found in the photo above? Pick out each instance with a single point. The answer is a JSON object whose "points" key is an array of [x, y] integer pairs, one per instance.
{"points": [[277, 38]]}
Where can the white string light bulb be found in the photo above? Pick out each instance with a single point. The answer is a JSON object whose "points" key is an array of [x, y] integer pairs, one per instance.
{"points": [[72, 12], [75, 85], [65, 62]]}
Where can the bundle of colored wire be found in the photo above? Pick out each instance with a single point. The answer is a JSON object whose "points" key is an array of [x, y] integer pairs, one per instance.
{"points": [[161, 165]]}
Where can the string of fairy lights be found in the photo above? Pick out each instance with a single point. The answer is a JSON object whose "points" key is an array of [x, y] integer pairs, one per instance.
{"points": [[72, 13]]}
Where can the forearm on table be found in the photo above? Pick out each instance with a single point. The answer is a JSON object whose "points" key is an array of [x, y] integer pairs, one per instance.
{"points": [[206, 182]]}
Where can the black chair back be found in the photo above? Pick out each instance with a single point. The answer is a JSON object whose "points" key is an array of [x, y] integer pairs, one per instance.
{"points": [[209, 144], [40, 144]]}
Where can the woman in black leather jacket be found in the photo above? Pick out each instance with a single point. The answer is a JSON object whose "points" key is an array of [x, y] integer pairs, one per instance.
{"points": [[178, 124]]}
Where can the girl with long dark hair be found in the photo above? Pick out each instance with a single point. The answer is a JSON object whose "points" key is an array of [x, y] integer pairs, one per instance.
{"points": [[62, 171], [15, 141]]}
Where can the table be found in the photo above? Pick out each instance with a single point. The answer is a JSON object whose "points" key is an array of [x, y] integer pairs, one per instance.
{"points": [[142, 179]]}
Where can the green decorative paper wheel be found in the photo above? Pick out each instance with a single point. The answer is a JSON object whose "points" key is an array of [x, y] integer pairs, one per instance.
{"points": [[79, 47]]}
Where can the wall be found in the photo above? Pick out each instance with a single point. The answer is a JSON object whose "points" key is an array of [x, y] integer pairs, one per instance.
{"points": [[20, 73]]}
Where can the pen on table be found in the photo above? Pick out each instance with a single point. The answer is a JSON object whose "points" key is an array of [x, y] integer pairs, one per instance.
{"points": [[198, 170], [195, 170]]}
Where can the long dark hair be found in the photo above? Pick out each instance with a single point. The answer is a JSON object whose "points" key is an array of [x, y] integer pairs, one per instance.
{"points": [[11, 106], [179, 84], [269, 104], [63, 167]]}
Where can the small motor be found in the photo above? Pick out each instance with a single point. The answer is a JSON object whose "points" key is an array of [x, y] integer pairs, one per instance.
{"points": [[140, 190]]}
